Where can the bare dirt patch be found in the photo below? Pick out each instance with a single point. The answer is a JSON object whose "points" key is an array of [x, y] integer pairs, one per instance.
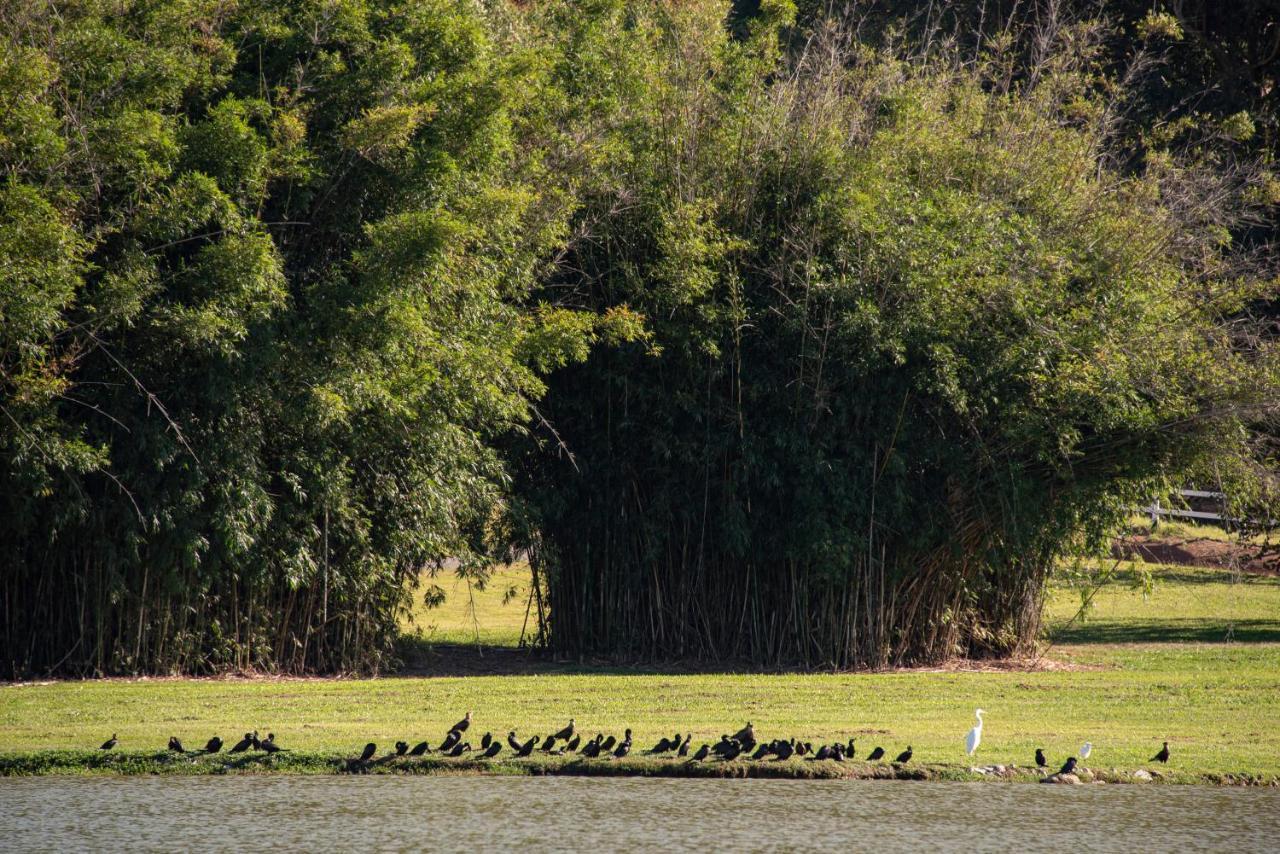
{"points": [[1216, 554]]}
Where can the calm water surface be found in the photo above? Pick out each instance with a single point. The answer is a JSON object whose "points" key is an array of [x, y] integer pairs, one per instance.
{"points": [[580, 814]]}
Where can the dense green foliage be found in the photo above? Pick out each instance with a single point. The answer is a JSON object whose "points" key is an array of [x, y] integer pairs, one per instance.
{"points": [[845, 340], [913, 330], [262, 266]]}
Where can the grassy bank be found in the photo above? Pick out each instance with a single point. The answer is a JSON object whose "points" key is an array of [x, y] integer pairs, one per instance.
{"points": [[88, 762], [1193, 659]]}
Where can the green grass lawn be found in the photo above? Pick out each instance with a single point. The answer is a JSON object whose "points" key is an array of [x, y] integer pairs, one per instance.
{"points": [[494, 616], [1196, 661]]}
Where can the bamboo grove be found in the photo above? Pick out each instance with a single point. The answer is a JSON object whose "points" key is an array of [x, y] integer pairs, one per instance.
{"points": [[766, 339]]}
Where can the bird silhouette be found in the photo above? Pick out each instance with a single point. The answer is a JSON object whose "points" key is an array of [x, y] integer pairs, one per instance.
{"points": [[848, 751], [460, 749], [823, 752], [250, 740], [369, 750], [1041, 762], [213, 745], [461, 726], [837, 752], [564, 734], [420, 748], [876, 755], [402, 747], [662, 746], [747, 733], [548, 744], [684, 745], [624, 748], [486, 740], [572, 746], [175, 745], [904, 756], [592, 748], [511, 741], [1068, 767], [702, 753], [527, 747], [269, 745], [110, 743], [1163, 755], [451, 741], [783, 750], [722, 746], [608, 744], [494, 748], [762, 751]]}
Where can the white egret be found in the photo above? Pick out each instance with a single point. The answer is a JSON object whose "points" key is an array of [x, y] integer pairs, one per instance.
{"points": [[975, 735], [1086, 750]]}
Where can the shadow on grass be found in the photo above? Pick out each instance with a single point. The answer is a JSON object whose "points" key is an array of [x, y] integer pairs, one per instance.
{"points": [[1169, 630], [420, 658]]}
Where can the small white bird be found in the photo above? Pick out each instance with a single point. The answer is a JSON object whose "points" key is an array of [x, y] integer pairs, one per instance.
{"points": [[975, 735], [1086, 750]]}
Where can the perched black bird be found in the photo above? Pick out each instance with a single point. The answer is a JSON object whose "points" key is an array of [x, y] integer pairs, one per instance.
{"points": [[460, 749], [269, 745], [564, 734], [572, 746], [1163, 755], [402, 747], [1068, 767], [1040, 760], [684, 745], [662, 746], [876, 755], [824, 752], [848, 751], [548, 744], [495, 747], [369, 750], [527, 747], [703, 752], [461, 726], [734, 751], [213, 745], [803, 748], [747, 733], [175, 745], [624, 748], [904, 756], [486, 740], [420, 748], [607, 744], [511, 740], [109, 743], [592, 749], [250, 740], [762, 751], [837, 752], [783, 750], [451, 740], [724, 745]]}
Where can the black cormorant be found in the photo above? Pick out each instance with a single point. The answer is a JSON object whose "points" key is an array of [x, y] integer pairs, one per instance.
{"points": [[175, 745], [1163, 755], [876, 755], [904, 756], [109, 743]]}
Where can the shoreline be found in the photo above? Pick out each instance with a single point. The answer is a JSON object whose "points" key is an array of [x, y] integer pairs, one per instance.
{"points": [[163, 763]]}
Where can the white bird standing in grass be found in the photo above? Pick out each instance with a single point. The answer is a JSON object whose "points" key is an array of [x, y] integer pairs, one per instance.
{"points": [[975, 735], [1086, 750]]}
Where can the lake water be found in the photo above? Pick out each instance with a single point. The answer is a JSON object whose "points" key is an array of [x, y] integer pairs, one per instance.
{"points": [[592, 814]]}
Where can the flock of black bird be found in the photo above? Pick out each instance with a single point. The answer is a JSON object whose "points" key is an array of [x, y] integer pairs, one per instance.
{"points": [[742, 744]]}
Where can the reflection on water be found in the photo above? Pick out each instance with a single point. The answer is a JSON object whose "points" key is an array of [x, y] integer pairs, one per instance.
{"points": [[566, 813]]}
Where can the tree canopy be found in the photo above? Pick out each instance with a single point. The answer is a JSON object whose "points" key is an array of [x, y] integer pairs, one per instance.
{"points": [[766, 333]]}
